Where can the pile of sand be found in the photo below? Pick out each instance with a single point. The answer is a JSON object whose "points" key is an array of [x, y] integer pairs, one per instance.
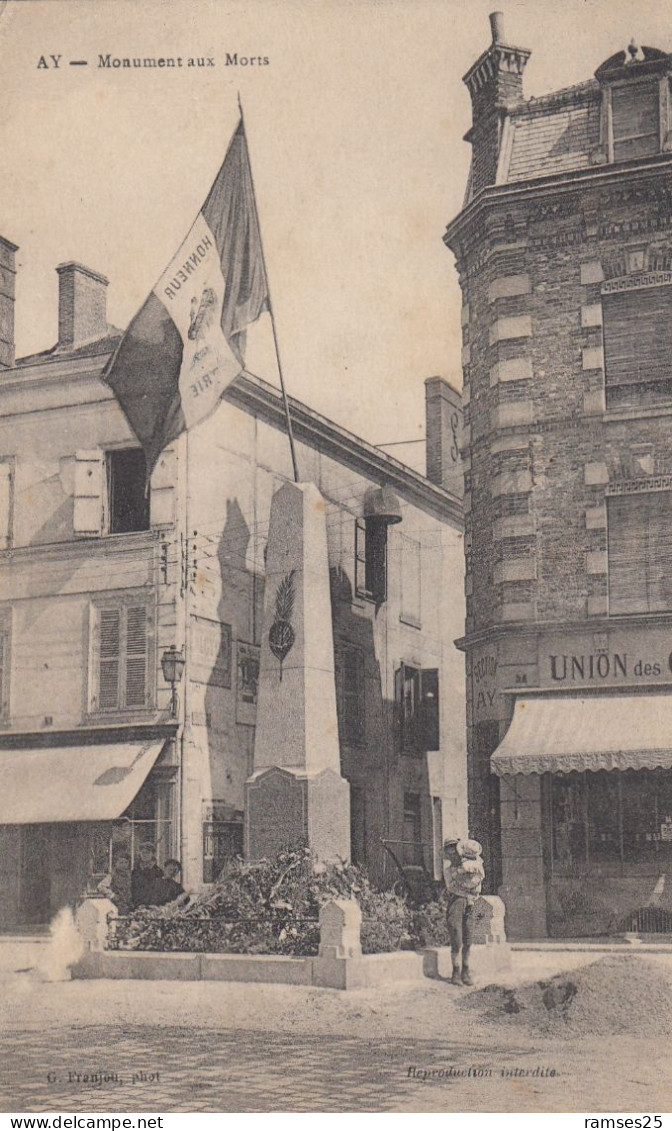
{"points": [[614, 995]]}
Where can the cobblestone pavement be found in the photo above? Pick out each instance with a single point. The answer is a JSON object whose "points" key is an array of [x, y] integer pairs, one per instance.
{"points": [[239, 1047], [152, 1070]]}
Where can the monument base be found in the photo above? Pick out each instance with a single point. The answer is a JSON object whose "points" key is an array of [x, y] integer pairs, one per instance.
{"points": [[284, 807]]}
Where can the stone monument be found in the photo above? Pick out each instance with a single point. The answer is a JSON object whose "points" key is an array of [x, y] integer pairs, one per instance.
{"points": [[296, 791]]}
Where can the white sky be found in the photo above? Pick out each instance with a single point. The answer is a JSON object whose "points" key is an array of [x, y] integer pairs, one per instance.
{"points": [[355, 131]]}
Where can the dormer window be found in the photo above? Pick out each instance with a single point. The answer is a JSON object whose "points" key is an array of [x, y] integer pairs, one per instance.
{"points": [[636, 103], [635, 118]]}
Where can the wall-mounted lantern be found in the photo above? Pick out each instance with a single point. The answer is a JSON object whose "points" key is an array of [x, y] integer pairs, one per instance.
{"points": [[172, 666]]}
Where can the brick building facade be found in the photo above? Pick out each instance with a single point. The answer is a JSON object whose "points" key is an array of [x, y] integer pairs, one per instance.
{"points": [[564, 255]]}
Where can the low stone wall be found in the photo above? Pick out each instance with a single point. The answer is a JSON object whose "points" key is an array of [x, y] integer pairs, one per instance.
{"points": [[339, 965], [339, 974]]}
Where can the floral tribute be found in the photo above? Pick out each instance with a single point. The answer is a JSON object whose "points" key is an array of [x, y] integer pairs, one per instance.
{"points": [[273, 908]]}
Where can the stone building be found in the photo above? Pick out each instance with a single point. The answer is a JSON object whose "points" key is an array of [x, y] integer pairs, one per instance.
{"points": [[564, 255], [130, 623]]}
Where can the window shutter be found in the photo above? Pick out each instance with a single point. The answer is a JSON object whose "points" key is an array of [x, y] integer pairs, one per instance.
{"points": [[89, 487], [410, 581], [635, 117], [136, 656], [110, 643], [6, 491], [638, 336], [162, 491], [360, 557]]}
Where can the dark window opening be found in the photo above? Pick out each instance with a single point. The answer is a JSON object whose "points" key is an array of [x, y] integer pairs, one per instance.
{"points": [[635, 111], [640, 552], [418, 702], [609, 819], [371, 559], [222, 841], [127, 494], [351, 694]]}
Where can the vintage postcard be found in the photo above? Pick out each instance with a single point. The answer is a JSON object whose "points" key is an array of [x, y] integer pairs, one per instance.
{"points": [[335, 557]]}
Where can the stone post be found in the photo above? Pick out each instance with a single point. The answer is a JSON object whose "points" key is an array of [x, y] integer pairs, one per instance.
{"points": [[340, 929], [91, 922]]}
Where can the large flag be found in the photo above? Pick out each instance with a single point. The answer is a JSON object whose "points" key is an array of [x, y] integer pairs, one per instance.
{"points": [[185, 345]]}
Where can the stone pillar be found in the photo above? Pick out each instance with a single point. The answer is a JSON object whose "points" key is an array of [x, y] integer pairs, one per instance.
{"points": [[340, 929], [296, 791], [489, 920], [523, 889], [91, 922]]}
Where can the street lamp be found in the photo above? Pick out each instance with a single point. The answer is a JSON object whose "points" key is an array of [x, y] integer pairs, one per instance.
{"points": [[172, 666]]}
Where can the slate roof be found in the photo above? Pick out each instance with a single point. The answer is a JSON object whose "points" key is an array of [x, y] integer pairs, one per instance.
{"points": [[105, 344], [554, 134]]}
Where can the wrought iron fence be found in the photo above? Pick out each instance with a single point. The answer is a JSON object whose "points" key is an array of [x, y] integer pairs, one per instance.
{"points": [[651, 921]]}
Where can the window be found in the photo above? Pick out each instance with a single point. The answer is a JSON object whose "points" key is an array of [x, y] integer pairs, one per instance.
{"points": [[610, 819], [418, 700], [410, 581], [110, 492], [128, 499], [371, 559], [121, 655], [640, 552], [351, 694], [635, 115], [222, 841], [638, 345]]}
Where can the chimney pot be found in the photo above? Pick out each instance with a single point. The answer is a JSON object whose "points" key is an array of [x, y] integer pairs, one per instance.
{"points": [[7, 298], [497, 25], [82, 305]]}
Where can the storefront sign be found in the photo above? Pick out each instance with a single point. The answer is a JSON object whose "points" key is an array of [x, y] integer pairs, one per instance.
{"points": [[484, 685], [639, 656], [605, 666]]}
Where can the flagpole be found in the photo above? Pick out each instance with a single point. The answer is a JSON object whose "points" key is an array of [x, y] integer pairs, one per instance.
{"points": [[290, 431]]}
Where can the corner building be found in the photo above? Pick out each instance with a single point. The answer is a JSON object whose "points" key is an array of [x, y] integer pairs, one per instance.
{"points": [[564, 254]]}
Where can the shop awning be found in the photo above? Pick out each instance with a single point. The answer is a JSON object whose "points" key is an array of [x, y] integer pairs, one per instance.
{"points": [[559, 734], [72, 783]]}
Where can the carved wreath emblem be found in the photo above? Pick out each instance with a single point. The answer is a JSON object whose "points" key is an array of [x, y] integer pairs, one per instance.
{"points": [[281, 634]]}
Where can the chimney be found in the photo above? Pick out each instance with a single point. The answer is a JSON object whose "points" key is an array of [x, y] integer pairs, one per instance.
{"points": [[82, 305], [7, 299], [495, 83], [443, 407]]}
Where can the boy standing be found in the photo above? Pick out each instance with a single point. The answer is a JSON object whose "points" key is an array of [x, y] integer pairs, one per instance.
{"points": [[463, 873]]}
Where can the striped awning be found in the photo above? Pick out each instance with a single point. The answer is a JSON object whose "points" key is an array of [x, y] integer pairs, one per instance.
{"points": [[72, 783], [558, 734]]}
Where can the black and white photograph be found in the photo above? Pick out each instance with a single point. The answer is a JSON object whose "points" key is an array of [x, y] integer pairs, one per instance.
{"points": [[336, 558]]}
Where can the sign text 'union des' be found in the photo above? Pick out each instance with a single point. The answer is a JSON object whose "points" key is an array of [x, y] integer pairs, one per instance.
{"points": [[605, 666]]}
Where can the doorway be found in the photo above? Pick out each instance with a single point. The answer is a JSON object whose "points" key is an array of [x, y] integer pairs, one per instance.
{"points": [[35, 875]]}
